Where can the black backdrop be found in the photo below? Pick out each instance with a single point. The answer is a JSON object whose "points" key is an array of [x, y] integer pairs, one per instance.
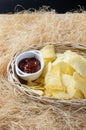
{"points": [[61, 6]]}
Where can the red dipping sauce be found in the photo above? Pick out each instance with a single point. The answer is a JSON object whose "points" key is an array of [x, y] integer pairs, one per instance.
{"points": [[29, 65]]}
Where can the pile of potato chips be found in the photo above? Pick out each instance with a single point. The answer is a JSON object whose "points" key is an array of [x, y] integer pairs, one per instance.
{"points": [[63, 77]]}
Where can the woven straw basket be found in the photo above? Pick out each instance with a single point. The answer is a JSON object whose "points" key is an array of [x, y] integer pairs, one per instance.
{"points": [[60, 48]]}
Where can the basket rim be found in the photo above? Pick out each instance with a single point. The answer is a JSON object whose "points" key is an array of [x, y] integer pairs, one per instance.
{"points": [[15, 82]]}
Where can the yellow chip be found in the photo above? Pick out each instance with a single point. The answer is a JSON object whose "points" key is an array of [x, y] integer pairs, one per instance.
{"points": [[48, 52], [39, 92], [49, 91], [80, 83], [63, 76], [72, 92], [59, 58], [61, 95], [63, 67], [69, 83], [53, 78], [78, 94], [41, 79], [75, 61]]}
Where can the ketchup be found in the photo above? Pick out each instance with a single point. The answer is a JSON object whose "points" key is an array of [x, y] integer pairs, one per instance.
{"points": [[29, 65]]}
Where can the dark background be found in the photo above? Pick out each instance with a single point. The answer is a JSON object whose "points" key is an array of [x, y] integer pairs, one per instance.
{"points": [[61, 6]]}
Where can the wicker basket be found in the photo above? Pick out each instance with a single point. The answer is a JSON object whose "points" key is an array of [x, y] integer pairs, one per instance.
{"points": [[59, 47]]}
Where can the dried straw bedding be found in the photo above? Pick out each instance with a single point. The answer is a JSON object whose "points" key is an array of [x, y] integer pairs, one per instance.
{"points": [[19, 31]]}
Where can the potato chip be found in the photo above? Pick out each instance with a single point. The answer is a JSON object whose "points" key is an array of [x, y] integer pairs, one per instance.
{"points": [[59, 58], [39, 92], [78, 94], [61, 95], [63, 67], [49, 91], [63, 76], [69, 83], [80, 83], [49, 52], [71, 91], [53, 78], [41, 79], [76, 61], [31, 83], [71, 87]]}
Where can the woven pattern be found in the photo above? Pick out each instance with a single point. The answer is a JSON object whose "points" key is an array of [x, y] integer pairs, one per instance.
{"points": [[80, 49]]}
